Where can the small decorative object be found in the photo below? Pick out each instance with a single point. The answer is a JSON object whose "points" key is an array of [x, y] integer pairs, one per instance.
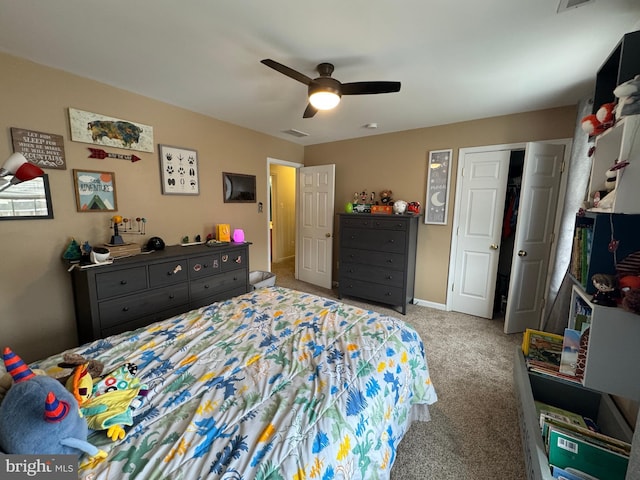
{"points": [[198, 239], [99, 255], [238, 235], [413, 207], [631, 301], [223, 232], [95, 191], [179, 170], [437, 199], [99, 129], [386, 197], [185, 239], [628, 95], [399, 207], [605, 290], [116, 239], [155, 243], [348, 207], [101, 154], [73, 251]]}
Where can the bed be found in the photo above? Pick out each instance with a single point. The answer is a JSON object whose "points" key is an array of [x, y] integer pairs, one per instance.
{"points": [[275, 384]]}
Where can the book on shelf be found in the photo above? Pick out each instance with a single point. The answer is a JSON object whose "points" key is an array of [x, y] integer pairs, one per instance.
{"points": [[585, 433], [570, 474], [542, 347], [570, 349], [568, 449], [546, 411]]}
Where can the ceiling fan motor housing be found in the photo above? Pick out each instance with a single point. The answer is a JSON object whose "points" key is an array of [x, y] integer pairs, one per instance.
{"points": [[325, 84]]}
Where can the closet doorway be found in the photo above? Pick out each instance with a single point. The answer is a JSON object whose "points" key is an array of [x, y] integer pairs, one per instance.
{"points": [[484, 245]]}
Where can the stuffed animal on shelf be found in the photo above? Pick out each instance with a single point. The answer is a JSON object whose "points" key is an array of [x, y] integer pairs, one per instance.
{"points": [[386, 197], [628, 95], [39, 416], [606, 286], [605, 114], [591, 125]]}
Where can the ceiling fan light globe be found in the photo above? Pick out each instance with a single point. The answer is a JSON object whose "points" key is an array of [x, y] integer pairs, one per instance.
{"points": [[324, 100]]}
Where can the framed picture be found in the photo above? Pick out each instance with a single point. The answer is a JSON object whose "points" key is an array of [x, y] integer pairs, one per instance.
{"points": [[179, 170], [95, 191], [238, 188], [438, 181], [99, 129]]}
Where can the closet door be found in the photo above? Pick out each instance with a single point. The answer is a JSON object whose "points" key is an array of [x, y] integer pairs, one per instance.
{"points": [[534, 235]]}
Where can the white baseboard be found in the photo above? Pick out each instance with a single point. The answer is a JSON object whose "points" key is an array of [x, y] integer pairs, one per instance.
{"points": [[426, 303]]}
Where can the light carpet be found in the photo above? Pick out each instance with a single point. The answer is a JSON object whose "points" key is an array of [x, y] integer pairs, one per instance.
{"points": [[473, 433]]}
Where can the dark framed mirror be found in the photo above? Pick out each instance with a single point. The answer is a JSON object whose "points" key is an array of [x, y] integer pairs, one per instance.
{"points": [[29, 200], [239, 188]]}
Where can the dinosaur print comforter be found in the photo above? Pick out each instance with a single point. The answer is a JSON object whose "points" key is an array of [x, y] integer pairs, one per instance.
{"points": [[273, 384]]}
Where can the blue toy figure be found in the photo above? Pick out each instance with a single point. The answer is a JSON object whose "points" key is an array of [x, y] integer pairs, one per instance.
{"points": [[39, 416]]}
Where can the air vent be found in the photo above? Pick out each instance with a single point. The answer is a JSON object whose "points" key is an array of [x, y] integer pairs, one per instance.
{"points": [[571, 4], [295, 133]]}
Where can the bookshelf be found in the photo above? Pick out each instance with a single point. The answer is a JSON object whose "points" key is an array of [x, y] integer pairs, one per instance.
{"points": [[592, 238], [620, 143]]}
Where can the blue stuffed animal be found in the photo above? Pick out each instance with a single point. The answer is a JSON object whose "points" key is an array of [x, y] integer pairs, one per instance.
{"points": [[39, 416]]}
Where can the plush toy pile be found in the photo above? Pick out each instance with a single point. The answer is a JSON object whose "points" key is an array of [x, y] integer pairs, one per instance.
{"points": [[628, 95]]}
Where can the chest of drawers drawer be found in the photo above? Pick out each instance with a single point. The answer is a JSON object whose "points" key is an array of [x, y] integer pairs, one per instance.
{"points": [[370, 273], [168, 273], [380, 259], [232, 260], [121, 282], [204, 266], [122, 310], [393, 241], [207, 286]]}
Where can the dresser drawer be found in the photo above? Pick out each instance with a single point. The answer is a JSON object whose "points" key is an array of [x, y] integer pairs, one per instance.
{"points": [[121, 282], [222, 282], [122, 310], [372, 291], [355, 221], [204, 266], [380, 240], [232, 260], [385, 223], [380, 259], [370, 273], [168, 273]]}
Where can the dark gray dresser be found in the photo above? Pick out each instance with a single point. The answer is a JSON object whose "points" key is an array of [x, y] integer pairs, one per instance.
{"points": [[135, 291], [378, 257]]}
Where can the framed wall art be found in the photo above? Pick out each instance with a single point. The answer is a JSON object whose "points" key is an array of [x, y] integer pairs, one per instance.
{"points": [[178, 170], [99, 129], [438, 182], [95, 191], [238, 188]]}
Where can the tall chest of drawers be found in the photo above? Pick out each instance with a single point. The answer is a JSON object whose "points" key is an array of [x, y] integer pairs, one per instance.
{"points": [[378, 257], [136, 291]]}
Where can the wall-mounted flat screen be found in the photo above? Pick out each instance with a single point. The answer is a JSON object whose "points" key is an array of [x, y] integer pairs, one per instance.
{"points": [[239, 188]]}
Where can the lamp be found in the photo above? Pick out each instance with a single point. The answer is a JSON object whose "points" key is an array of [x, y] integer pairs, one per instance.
{"points": [[22, 171], [324, 93]]}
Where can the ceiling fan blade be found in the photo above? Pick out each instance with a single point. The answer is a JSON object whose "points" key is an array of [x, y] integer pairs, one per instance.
{"points": [[289, 72], [367, 88], [309, 112]]}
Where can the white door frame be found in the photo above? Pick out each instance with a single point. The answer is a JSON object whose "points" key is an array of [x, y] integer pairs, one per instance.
{"points": [[275, 161], [567, 142]]}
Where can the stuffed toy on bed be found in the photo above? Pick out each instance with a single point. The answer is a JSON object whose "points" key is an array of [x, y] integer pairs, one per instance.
{"points": [[39, 416]]}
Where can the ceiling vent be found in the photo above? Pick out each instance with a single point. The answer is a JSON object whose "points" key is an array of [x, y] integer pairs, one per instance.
{"points": [[571, 4], [295, 133]]}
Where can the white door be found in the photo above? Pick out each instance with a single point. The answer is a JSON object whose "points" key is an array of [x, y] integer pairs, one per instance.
{"points": [[316, 190], [534, 234], [480, 211]]}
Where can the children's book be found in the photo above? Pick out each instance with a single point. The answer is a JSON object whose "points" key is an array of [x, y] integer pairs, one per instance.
{"points": [[543, 347], [559, 414], [570, 349]]}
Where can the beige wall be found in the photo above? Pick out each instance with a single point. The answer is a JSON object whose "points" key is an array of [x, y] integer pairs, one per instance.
{"points": [[36, 309], [398, 161]]}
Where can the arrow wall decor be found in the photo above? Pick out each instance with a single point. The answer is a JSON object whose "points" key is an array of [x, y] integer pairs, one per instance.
{"points": [[101, 154]]}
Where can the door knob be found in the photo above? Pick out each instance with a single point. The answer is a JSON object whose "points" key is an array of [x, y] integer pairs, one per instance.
{"points": [[327, 235], [522, 253], [494, 246]]}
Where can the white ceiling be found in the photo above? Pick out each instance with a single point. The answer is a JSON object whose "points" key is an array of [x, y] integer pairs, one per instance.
{"points": [[456, 60]]}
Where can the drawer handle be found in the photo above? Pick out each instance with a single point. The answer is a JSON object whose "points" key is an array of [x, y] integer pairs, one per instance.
{"points": [[353, 237], [391, 241], [176, 269], [390, 260], [351, 270], [388, 294], [225, 258], [206, 286], [125, 309], [123, 282], [390, 277], [238, 259], [172, 296]]}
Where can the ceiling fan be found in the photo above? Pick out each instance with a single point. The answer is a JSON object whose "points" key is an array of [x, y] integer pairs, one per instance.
{"points": [[325, 91]]}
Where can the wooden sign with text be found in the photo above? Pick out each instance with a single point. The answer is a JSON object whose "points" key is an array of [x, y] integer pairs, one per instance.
{"points": [[45, 150]]}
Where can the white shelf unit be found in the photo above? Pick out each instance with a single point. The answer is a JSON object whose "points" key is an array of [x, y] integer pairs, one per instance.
{"points": [[617, 144], [613, 355]]}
